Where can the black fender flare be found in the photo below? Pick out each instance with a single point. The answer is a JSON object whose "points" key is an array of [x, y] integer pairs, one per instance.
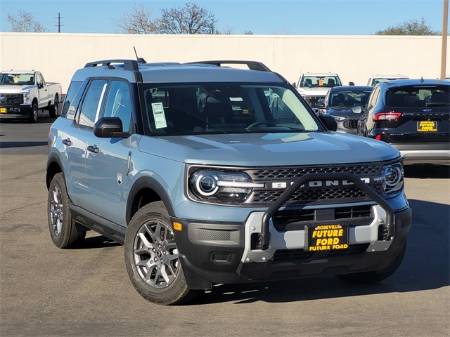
{"points": [[153, 184], [52, 158]]}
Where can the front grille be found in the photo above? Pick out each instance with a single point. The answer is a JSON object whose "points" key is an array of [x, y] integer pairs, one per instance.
{"points": [[286, 255], [312, 195], [351, 124], [296, 219], [282, 173], [11, 99], [313, 101], [308, 195]]}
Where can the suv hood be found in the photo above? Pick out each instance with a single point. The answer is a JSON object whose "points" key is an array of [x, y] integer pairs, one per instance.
{"points": [[14, 89], [263, 149], [305, 91]]}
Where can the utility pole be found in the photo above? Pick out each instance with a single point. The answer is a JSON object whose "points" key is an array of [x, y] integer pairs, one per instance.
{"points": [[444, 40], [59, 22]]}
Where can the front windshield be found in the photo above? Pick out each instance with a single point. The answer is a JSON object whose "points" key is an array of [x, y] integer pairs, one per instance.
{"points": [[212, 108], [349, 99], [16, 79], [320, 81]]}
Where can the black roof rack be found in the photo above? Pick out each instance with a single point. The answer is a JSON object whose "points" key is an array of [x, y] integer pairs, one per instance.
{"points": [[252, 65], [132, 65]]}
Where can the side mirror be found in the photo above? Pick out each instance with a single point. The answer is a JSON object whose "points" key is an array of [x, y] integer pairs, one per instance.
{"points": [[294, 84], [351, 83], [40, 85], [109, 127], [329, 122]]}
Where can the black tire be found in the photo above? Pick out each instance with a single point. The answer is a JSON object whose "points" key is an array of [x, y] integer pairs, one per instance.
{"points": [[34, 117], [53, 110], [177, 291], [70, 232], [376, 275]]}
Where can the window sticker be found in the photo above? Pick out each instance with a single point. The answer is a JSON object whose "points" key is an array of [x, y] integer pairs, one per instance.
{"points": [[159, 116]]}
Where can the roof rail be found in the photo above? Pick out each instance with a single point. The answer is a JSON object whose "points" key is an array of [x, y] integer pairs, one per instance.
{"points": [[132, 65], [252, 65]]}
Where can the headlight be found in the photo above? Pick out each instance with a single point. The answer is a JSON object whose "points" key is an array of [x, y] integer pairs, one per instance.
{"points": [[26, 96], [339, 118], [219, 186], [393, 177]]}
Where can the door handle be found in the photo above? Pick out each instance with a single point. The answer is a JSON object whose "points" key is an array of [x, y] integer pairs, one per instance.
{"points": [[67, 141], [93, 148]]}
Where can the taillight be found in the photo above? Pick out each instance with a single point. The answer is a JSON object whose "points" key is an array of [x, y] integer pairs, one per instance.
{"points": [[387, 116]]}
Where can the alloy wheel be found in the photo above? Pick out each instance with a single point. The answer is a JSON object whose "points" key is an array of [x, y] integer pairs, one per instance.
{"points": [[156, 255], [56, 210]]}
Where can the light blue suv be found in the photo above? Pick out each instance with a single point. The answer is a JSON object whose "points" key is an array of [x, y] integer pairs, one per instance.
{"points": [[210, 175]]}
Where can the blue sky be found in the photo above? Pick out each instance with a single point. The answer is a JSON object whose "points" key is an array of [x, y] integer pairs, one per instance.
{"points": [[259, 16]]}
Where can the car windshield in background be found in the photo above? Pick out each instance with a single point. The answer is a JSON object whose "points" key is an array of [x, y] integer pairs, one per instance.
{"points": [[320, 81], [16, 79], [349, 98], [419, 96], [375, 81], [225, 108]]}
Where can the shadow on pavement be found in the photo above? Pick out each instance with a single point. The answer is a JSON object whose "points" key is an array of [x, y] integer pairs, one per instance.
{"points": [[98, 241], [425, 266], [6, 145], [427, 171], [42, 119]]}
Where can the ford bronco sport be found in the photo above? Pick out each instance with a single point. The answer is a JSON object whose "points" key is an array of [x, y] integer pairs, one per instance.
{"points": [[213, 175]]}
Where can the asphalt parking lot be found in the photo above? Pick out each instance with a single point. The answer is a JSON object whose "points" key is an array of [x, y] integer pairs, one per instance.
{"points": [[86, 291]]}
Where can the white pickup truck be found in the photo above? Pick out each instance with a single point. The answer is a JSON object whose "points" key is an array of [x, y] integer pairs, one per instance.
{"points": [[25, 94], [315, 86]]}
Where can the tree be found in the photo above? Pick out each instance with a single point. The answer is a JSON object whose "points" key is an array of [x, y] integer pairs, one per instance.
{"points": [[188, 19], [24, 22], [138, 22], [412, 27]]}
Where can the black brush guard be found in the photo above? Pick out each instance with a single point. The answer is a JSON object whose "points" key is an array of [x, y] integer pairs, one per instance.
{"points": [[264, 238]]}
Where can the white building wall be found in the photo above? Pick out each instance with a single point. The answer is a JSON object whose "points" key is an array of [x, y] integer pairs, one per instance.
{"points": [[355, 58]]}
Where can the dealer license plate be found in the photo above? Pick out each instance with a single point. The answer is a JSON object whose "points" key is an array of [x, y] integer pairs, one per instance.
{"points": [[427, 126], [327, 237], [3, 110]]}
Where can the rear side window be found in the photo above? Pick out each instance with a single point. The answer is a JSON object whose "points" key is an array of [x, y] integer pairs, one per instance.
{"points": [[71, 100], [419, 96], [92, 103], [118, 103]]}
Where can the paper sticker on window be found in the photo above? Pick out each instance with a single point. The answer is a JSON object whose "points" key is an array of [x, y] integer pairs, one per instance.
{"points": [[159, 116]]}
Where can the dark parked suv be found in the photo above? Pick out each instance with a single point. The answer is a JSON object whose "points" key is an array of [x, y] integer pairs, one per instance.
{"points": [[210, 174], [414, 116]]}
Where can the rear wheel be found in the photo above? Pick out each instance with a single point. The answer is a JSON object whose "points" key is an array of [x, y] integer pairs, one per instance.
{"points": [[151, 257], [376, 275], [53, 110], [64, 232]]}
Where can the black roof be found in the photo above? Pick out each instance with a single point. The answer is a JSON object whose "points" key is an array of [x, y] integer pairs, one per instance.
{"points": [[402, 83]]}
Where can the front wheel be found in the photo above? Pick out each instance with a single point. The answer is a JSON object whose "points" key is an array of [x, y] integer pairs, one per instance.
{"points": [[152, 258], [34, 117], [376, 275]]}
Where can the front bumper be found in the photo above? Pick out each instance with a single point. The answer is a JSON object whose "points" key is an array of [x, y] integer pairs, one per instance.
{"points": [[221, 253], [16, 112]]}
